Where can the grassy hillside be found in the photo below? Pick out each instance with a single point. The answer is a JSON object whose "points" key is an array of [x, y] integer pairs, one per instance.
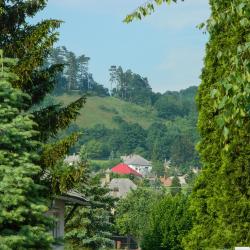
{"points": [[101, 110]]}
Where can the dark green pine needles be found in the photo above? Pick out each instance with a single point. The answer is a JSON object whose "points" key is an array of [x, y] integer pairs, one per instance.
{"points": [[23, 224]]}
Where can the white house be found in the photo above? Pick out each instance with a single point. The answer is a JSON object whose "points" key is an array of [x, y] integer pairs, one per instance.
{"points": [[138, 163]]}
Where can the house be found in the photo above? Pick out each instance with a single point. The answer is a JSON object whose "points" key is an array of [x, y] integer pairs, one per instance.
{"points": [[57, 210], [72, 159], [120, 187], [138, 163], [71, 199], [123, 168]]}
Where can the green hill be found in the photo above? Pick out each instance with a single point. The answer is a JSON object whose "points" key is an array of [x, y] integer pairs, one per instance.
{"points": [[102, 110]]}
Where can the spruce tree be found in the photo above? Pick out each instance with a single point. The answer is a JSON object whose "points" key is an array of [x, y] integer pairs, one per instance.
{"points": [[31, 44], [91, 226], [23, 224]]}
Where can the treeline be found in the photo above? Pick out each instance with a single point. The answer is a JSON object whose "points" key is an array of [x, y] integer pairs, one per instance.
{"points": [[75, 75], [174, 141], [125, 85], [132, 87]]}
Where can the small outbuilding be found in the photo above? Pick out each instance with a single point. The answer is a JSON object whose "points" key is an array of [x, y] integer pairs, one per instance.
{"points": [[57, 210]]}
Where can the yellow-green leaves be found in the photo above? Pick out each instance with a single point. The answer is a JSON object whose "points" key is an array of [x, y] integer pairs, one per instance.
{"points": [[145, 10]]}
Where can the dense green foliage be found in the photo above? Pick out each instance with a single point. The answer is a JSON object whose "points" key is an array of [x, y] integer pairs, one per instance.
{"points": [[174, 141], [146, 9], [91, 226], [133, 211], [172, 138], [130, 86], [31, 44], [221, 198], [168, 223], [155, 219], [23, 224], [174, 104]]}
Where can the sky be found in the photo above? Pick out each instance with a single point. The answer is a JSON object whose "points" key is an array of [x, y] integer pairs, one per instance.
{"points": [[165, 47]]}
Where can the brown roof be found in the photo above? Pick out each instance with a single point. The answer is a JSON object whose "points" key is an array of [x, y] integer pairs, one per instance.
{"points": [[120, 187]]}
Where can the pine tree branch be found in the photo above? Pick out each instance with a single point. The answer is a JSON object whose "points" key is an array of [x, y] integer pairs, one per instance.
{"points": [[52, 153], [53, 118], [42, 82]]}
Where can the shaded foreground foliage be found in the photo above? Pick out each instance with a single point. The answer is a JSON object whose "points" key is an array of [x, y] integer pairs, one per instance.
{"points": [[23, 223], [221, 197]]}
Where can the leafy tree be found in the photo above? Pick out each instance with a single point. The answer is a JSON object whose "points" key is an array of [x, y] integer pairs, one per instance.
{"points": [[23, 223], [168, 106], [91, 226], [158, 142], [221, 195], [176, 186], [220, 198], [96, 150], [168, 222], [71, 72], [183, 152], [128, 138], [132, 211], [173, 104], [158, 168]]}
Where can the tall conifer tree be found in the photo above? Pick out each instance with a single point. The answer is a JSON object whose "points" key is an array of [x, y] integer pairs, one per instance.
{"points": [[31, 44], [23, 224]]}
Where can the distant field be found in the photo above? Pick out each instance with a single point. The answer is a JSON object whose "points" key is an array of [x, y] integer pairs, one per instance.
{"points": [[101, 110]]}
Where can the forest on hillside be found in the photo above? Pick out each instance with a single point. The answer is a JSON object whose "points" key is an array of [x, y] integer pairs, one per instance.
{"points": [[172, 138]]}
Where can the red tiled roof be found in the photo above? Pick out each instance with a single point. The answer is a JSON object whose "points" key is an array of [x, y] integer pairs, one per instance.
{"points": [[123, 168]]}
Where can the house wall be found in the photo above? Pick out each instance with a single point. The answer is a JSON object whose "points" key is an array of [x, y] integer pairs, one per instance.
{"points": [[57, 211], [143, 170]]}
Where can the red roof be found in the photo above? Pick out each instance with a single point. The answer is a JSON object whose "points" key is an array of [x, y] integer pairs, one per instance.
{"points": [[123, 168]]}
